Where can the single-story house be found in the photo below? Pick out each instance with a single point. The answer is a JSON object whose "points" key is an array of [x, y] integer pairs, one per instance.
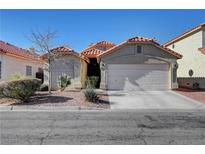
{"points": [[65, 61], [138, 63], [14, 60], [191, 44]]}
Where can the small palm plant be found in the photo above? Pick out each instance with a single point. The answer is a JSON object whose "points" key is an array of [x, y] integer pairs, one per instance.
{"points": [[91, 95], [63, 81]]}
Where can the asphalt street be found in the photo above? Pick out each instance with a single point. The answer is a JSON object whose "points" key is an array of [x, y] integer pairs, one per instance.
{"points": [[102, 127]]}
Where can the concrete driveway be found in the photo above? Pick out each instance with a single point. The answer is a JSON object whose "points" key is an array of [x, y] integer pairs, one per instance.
{"points": [[152, 100]]}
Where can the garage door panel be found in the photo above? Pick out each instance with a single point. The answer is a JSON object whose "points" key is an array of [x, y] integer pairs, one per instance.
{"points": [[138, 77], [137, 66]]}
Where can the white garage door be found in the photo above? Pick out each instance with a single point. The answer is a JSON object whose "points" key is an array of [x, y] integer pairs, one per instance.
{"points": [[138, 77]]}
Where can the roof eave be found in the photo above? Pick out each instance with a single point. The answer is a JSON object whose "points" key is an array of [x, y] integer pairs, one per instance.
{"points": [[185, 34], [173, 53]]}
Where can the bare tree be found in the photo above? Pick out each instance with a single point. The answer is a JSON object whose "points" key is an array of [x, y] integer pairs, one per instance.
{"points": [[43, 45]]}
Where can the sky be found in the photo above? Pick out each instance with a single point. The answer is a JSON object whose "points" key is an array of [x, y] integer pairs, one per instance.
{"points": [[78, 28]]}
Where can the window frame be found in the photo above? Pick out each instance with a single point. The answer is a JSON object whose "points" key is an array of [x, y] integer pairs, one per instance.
{"points": [[137, 49], [29, 72]]}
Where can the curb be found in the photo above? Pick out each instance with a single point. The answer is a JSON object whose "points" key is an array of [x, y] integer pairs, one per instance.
{"points": [[47, 108]]}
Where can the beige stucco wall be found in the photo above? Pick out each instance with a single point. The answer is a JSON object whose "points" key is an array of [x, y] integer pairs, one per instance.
{"points": [[2, 67], [128, 55], [192, 58], [83, 72], [12, 65], [125, 54], [67, 64]]}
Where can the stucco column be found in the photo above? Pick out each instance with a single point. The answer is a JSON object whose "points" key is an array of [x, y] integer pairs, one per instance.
{"points": [[103, 76], [174, 67]]}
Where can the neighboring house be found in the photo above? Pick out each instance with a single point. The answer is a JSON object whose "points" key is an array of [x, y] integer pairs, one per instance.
{"points": [[138, 64], [65, 61], [191, 44], [14, 60], [91, 53]]}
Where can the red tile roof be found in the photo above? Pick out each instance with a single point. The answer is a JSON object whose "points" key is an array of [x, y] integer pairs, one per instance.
{"points": [[92, 53], [64, 50], [140, 39], [94, 50], [104, 44], [11, 50], [185, 34], [202, 50]]}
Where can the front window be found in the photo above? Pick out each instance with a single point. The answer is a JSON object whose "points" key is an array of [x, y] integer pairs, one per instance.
{"points": [[139, 49], [28, 71]]}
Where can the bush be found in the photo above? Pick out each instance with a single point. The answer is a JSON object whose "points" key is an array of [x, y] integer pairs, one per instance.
{"points": [[16, 77], [2, 85], [63, 81], [21, 89], [91, 81], [44, 87], [91, 95]]}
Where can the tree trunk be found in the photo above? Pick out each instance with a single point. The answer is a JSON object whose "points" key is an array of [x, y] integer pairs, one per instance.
{"points": [[49, 78]]}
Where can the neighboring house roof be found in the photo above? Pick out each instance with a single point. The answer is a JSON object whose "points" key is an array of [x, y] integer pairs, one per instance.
{"points": [[140, 39], [185, 34], [202, 50], [64, 50], [11, 50], [95, 49], [92, 53]]}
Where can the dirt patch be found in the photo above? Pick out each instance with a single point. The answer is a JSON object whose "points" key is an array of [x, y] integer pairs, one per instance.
{"points": [[198, 95], [8, 101], [60, 99]]}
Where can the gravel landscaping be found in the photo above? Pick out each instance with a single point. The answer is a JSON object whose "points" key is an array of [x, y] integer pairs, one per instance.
{"points": [[8, 101], [58, 98]]}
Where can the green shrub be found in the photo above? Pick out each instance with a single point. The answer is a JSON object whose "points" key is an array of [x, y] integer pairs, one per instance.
{"points": [[2, 85], [63, 81], [16, 77], [91, 95], [44, 87], [21, 89], [91, 81]]}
